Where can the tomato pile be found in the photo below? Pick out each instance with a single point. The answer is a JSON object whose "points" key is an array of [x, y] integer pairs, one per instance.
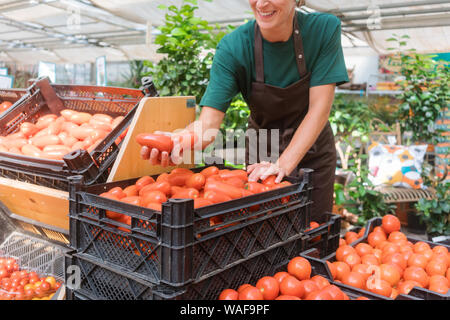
{"points": [[389, 264], [16, 284], [5, 105], [295, 284], [208, 187], [52, 136]]}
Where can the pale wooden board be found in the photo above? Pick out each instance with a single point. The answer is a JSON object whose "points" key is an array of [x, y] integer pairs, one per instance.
{"points": [[153, 114], [41, 204]]}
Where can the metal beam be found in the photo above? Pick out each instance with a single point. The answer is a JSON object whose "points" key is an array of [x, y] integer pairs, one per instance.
{"points": [[388, 6], [394, 14]]}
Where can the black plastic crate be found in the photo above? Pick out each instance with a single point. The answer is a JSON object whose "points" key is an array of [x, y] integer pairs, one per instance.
{"points": [[179, 246], [325, 238], [95, 166], [416, 292], [103, 282]]}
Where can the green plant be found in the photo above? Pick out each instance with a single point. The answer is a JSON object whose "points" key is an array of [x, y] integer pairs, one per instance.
{"points": [[187, 43], [138, 69], [435, 213], [235, 123], [359, 196], [425, 91]]}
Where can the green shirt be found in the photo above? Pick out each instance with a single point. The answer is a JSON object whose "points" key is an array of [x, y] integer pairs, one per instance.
{"points": [[233, 68]]}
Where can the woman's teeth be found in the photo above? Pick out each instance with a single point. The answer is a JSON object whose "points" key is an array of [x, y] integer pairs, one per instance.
{"points": [[267, 14]]}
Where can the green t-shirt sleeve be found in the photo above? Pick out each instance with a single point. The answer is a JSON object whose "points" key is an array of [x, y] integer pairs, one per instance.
{"points": [[223, 84], [330, 65]]}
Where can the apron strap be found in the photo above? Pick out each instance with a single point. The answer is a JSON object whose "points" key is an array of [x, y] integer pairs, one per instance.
{"points": [[298, 47]]}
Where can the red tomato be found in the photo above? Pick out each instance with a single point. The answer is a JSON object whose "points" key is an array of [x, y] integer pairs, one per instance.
{"points": [[154, 206], [320, 281], [5, 105], [229, 294], [309, 286], [390, 223], [269, 286], [186, 193], [163, 186], [153, 196], [319, 295], [196, 181], [210, 171], [131, 191], [144, 181], [285, 297], [256, 187], [251, 293], [238, 183], [335, 292], [354, 279], [220, 187], [279, 276], [290, 286], [156, 141], [202, 202], [300, 268], [228, 174], [215, 197], [270, 181], [163, 177]]}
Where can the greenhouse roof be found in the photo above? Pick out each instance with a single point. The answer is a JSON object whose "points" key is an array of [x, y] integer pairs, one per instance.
{"points": [[78, 31]]}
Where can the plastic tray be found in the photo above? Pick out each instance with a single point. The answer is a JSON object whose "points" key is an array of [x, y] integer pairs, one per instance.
{"points": [[102, 282], [416, 292], [179, 246], [325, 238], [94, 167]]}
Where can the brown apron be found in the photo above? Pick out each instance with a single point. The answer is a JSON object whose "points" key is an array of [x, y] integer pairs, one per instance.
{"points": [[284, 109]]}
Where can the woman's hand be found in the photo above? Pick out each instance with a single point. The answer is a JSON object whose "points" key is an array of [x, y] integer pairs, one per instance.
{"points": [[261, 171], [165, 159]]}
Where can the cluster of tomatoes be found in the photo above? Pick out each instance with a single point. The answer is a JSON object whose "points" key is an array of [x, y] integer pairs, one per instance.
{"points": [[389, 264], [53, 136], [16, 284], [208, 187], [5, 105], [295, 284]]}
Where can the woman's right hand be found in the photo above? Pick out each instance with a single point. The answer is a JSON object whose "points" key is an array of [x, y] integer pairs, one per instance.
{"points": [[164, 159]]}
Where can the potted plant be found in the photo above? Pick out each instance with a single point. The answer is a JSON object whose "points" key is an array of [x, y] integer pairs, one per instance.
{"points": [[425, 92]]}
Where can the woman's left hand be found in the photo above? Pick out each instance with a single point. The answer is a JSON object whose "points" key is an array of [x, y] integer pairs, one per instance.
{"points": [[261, 171]]}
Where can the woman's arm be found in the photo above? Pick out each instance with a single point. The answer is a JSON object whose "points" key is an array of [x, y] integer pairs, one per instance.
{"points": [[207, 126], [320, 103]]}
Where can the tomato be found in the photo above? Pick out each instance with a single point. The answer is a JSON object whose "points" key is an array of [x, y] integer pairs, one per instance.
{"points": [[45, 286], [118, 192], [43, 141], [256, 187], [436, 267], [375, 238], [390, 223], [370, 259], [350, 237], [354, 279], [238, 183], [179, 179], [440, 249], [335, 292], [397, 236], [319, 295], [362, 298], [5, 105], [3, 273], [320, 281], [379, 286], [361, 232], [131, 191], [352, 259], [270, 180], [229, 294], [210, 171], [439, 288], [417, 260], [390, 274], [251, 293], [163, 186], [342, 251], [196, 181], [28, 129], [332, 269], [102, 118], [155, 141], [186, 193], [44, 121], [379, 229], [134, 200], [290, 286], [279, 276], [220, 187], [285, 297], [416, 274], [269, 286], [144, 181], [363, 249], [342, 269], [300, 268], [309, 286], [202, 202], [163, 177], [228, 174], [215, 197], [243, 286], [80, 117], [153, 196], [342, 242], [154, 206]]}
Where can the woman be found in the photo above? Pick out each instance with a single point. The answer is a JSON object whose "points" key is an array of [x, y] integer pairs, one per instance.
{"points": [[286, 64]]}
